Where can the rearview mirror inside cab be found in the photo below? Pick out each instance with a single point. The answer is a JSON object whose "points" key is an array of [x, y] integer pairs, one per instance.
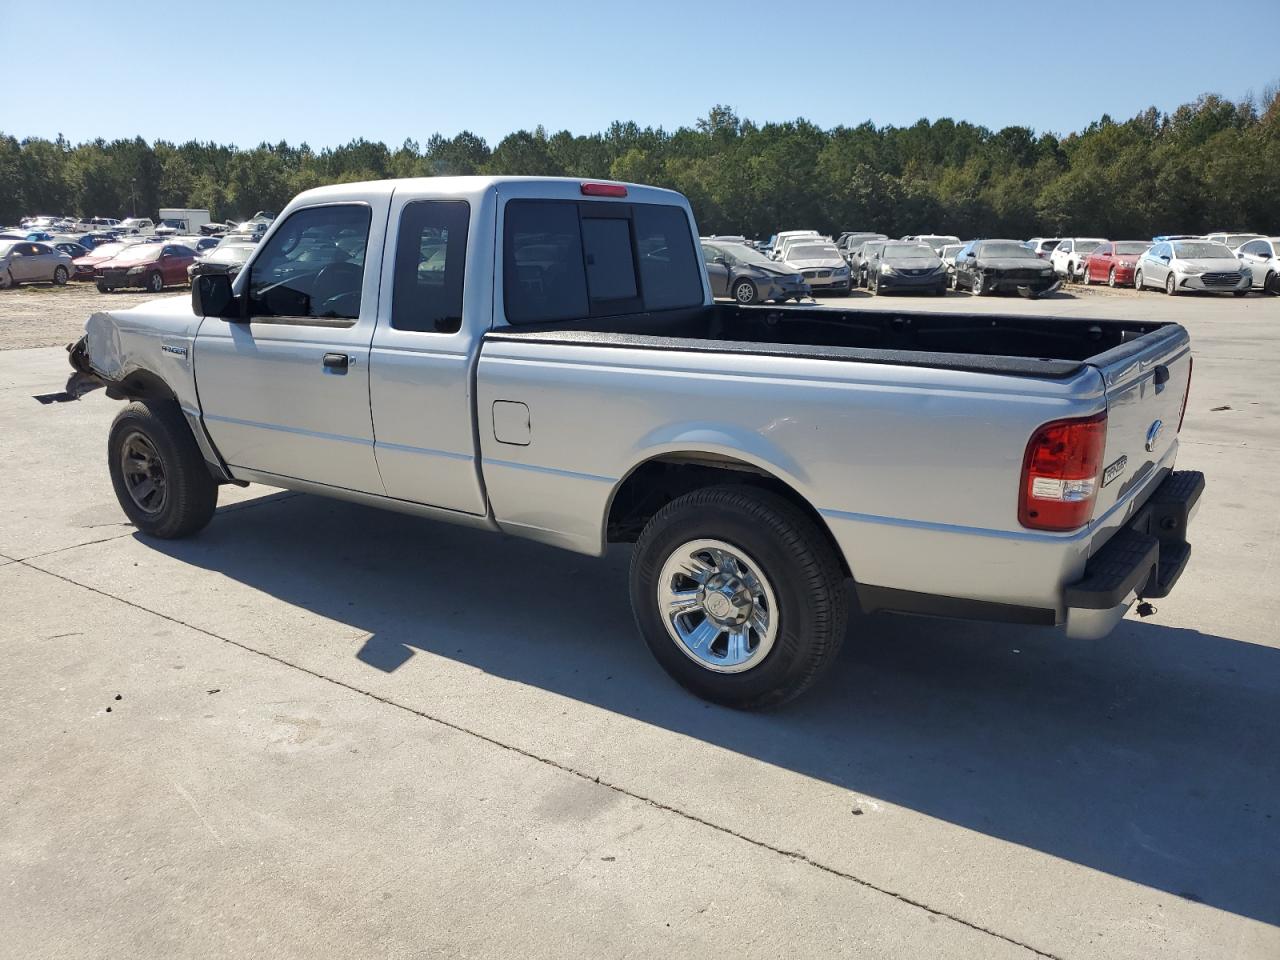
{"points": [[211, 296]]}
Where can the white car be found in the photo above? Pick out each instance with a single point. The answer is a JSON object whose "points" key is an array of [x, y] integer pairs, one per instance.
{"points": [[791, 242], [781, 238], [1069, 255], [1233, 240], [821, 265], [1182, 266], [1042, 247], [1262, 257], [935, 240], [142, 226]]}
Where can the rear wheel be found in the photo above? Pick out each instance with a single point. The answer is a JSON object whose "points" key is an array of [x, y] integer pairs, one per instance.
{"points": [[739, 595], [159, 475], [60, 275]]}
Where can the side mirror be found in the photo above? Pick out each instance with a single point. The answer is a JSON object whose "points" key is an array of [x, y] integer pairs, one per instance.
{"points": [[211, 296], [721, 260]]}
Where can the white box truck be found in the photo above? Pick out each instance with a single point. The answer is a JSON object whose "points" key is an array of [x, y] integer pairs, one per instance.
{"points": [[177, 221]]}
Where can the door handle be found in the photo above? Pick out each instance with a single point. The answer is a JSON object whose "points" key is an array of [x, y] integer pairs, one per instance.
{"points": [[336, 361]]}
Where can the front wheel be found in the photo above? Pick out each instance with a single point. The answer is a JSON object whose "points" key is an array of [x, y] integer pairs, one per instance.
{"points": [[980, 286], [1271, 284], [155, 282], [744, 291], [739, 595], [60, 276], [1170, 285], [1111, 278], [1238, 293], [1137, 281], [5, 280], [1085, 278], [159, 475]]}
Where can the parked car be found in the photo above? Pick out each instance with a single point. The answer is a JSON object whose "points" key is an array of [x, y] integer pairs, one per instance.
{"points": [[1113, 263], [1069, 255], [992, 266], [907, 266], [103, 224], [1042, 247], [1262, 257], [860, 256], [71, 249], [821, 265], [226, 258], [779, 239], [1233, 241], [744, 273], [152, 266], [582, 393], [1180, 266], [948, 255], [22, 261], [83, 267], [935, 240], [137, 225], [787, 243]]}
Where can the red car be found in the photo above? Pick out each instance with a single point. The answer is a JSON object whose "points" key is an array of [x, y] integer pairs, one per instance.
{"points": [[153, 266], [84, 266], [1113, 262]]}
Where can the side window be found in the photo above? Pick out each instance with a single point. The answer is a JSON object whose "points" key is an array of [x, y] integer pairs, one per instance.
{"points": [[1256, 247], [39, 250], [313, 266], [669, 274], [1065, 246], [709, 253], [431, 251]]}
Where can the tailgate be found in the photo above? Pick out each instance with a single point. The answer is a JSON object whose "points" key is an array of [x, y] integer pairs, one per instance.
{"points": [[1146, 385]]}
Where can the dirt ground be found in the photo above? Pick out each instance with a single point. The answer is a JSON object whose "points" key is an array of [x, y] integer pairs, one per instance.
{"points": [[42, 315]]}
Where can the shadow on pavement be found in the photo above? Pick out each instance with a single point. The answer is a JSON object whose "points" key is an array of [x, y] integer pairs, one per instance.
{"points": [[1150, 756]]}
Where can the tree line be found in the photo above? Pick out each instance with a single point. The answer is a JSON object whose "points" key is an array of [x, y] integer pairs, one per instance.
{"points": [[1211, 164]]}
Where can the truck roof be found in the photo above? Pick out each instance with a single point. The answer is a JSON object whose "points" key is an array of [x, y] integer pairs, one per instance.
{"points": [[551, 187]]}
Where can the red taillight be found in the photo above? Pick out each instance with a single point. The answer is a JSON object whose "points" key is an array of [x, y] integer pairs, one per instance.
{"points": [[603, 190], [1060, 473], [1191, 365]]}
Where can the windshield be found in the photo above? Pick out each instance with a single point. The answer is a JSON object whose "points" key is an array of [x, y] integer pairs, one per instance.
{"points": [[813, 251], [138, 253], [1201, 248], [107, 249], [1006, 248], [909, 253], [748, 255], [1235, 239], [1131, 248], [230, 253], [951, 249], [1087, 246]]}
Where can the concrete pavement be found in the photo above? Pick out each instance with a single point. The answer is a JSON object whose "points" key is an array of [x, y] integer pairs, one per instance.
{"points": [[426, 740]]}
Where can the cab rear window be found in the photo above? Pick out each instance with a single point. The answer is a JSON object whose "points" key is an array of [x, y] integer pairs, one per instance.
{"points": [[565, 260]]}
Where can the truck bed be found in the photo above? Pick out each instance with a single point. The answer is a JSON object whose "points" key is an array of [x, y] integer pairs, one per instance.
{"points": [[1050, 347]]}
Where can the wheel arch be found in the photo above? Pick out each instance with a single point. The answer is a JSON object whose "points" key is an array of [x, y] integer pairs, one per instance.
{"points": [[661, 477]]}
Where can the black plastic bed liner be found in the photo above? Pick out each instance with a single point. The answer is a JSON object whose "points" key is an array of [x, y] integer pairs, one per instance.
{"points": [[1048, 347]]}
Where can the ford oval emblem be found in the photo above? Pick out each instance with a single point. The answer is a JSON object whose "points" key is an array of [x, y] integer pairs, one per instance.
{"points": [[1153, 434]]}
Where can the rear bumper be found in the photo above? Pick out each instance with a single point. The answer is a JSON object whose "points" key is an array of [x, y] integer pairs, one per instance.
{"points": [[1142, 560]]}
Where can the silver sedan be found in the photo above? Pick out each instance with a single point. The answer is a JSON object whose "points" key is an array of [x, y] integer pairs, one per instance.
{"points": [[1182, 266], [23, 261]]}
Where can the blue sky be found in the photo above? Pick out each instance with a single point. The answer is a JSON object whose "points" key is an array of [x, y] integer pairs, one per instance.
{"points": [[326, 72]]}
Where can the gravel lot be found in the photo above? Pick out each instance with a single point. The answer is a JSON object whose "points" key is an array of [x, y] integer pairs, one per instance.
{"points": [[318, 729]]}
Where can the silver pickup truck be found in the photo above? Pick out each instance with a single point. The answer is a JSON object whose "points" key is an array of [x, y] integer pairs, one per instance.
{"points": [[543, 357]]}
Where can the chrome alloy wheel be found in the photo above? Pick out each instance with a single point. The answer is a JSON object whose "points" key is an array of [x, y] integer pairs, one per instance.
{"points": [[143, 472], [717, 606]]}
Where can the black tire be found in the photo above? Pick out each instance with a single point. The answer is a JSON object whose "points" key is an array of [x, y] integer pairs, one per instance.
{"points": [[1170, 284], [1111, 279], [744, 292], [1271, 284], [1085, 278], [794, 555], [155, 282], [189, 494], [980, 287], [1137, 281], [60, 276], [1238, 293], [6, 281]]}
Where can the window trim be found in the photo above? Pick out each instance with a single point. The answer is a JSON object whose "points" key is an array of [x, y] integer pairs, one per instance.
{"points": [[305, 321]]}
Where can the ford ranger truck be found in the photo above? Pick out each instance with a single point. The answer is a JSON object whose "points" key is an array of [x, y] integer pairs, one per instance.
{"points": [[544, 357]]}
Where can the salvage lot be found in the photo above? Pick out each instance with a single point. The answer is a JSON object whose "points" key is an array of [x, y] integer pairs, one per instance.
{"points": [[346, 731]]}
